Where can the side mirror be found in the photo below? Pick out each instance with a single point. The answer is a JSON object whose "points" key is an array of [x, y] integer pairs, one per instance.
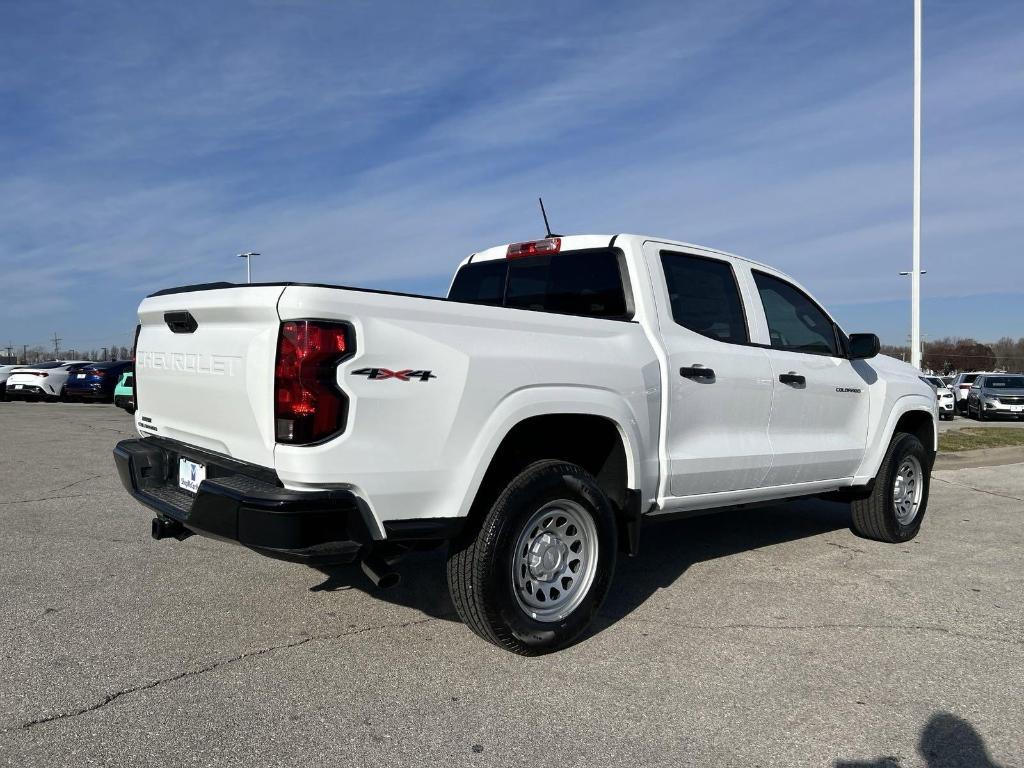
{"points": [[864, 345]]}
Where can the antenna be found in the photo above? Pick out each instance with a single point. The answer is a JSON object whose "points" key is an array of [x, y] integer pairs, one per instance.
{"points": [[547, 227]]}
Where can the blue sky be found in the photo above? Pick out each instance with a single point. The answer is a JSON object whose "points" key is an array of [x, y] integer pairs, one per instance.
{"points": [[143, 145]]}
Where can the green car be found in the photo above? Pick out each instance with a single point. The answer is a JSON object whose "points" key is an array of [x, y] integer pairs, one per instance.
{"points": [[124, 392]]}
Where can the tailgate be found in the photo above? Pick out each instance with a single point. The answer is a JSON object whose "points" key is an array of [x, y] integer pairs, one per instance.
{"points": [[204, 369]]}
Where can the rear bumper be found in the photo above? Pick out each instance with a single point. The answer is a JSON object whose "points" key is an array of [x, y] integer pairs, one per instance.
{"points": [[19, 391], [315, 527], [87, 393]]}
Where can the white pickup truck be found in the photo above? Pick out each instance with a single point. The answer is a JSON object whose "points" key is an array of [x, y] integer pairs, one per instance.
{"points": [[565, 390]]}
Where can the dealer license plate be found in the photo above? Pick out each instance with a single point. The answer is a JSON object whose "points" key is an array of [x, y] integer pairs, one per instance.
{"points": [[190, 475], [80, 375], [1017, 408]]}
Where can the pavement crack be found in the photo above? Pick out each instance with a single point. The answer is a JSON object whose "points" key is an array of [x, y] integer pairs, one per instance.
{"points": [[47, 498], [77, 482], [979, 490], [110, 698], [845, 546]]}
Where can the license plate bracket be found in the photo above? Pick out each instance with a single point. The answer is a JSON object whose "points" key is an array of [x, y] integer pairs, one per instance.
{"points": [[190, 474]]}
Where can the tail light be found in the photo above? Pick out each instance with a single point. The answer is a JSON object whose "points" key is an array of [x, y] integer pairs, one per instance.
{"points": [[534, 248], [308, 406]]}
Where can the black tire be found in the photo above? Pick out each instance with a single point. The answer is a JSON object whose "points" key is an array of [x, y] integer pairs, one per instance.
{"points": [[874, 517], [480, 561]]}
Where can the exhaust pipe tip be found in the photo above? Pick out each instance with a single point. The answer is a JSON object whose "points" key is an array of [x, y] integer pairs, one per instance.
{"points": [[379, 572]]}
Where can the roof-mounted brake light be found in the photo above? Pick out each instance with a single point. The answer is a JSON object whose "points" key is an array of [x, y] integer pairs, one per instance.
{"points": [[534, 248]]}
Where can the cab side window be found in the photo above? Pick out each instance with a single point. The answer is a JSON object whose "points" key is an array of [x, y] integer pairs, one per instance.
{"points": [[795, 323], [705, 297]]}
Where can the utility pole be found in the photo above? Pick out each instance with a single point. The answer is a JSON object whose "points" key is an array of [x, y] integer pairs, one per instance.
{"points": [[56, 346], [915, 275], [24, 354], [10, 349], [248, 261]]}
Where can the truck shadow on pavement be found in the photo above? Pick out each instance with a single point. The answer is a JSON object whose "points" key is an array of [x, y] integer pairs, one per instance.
{"points": [[947, 741], [667, 549]]}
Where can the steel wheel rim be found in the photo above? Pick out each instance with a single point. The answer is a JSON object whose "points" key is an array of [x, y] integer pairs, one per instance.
{"points": [[907, 490], [555, 560]]}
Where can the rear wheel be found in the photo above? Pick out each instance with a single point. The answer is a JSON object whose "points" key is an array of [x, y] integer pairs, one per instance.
{"points": [[898, 501], [533, 574]]}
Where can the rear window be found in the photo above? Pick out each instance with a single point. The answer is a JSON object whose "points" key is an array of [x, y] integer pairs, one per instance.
{"points": [[481, 283], [587, 283], [968, 378]]}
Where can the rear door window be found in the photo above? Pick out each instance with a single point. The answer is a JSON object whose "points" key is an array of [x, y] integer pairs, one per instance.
{"points": [[705, 297]]}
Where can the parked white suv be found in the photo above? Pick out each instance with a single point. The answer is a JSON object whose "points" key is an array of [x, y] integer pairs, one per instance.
{"points": [[944, 396], [961, 387], [565, 391]]}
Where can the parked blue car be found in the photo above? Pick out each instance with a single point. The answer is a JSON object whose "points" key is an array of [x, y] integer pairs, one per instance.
{"points": [[95, 381]]}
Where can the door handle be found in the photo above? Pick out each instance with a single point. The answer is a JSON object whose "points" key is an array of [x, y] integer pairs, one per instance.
{"points": [[697, 372], [793, 378]]}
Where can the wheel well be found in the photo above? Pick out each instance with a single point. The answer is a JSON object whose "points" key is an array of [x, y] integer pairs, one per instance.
{"points": [[921, 425], [592, 442]]}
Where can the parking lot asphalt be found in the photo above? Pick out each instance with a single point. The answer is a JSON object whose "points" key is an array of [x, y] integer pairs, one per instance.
{"points": [[761, 637]]}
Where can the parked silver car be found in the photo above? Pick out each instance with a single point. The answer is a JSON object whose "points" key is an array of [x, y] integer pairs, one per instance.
{"points": [[996, 394]]}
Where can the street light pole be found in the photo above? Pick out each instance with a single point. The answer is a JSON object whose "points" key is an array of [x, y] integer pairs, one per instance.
{"points": [[915, 275], [248, 258]]}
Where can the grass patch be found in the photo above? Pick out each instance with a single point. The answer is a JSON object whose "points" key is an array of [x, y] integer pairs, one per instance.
{"points": [[971, 438]]}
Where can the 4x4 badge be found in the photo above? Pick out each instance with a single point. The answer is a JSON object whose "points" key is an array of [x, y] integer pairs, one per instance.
{"points": [[377, 374]]}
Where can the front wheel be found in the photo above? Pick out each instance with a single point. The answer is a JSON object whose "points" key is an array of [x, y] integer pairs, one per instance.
{"points": [[532, 576], [894, 510]]}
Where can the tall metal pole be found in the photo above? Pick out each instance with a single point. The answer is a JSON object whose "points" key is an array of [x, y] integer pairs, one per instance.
{"points": [[915, 274], [248, 260]]}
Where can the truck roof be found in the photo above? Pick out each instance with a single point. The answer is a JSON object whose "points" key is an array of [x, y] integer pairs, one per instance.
{"points": [[579, 242]]}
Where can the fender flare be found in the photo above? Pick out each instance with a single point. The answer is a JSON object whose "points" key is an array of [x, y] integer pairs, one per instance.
{"points": [[547, 400], [875, 453]]}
